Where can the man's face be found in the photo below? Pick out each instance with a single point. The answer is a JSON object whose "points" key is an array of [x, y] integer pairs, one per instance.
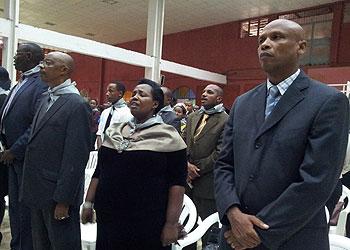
{"points": [[52, 69], [112, 94], [210, 97], [189, 106], [279, 48], [22, 58]]}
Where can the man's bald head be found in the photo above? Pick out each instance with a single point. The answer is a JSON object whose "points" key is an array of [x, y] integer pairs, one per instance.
{"points": [[286, 24], [168, 95], [212, 95], [56, 68], [65, 59], [281, 43]]}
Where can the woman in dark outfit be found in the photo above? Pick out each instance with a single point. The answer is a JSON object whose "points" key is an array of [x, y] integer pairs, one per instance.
{"points": [[138, 185]]}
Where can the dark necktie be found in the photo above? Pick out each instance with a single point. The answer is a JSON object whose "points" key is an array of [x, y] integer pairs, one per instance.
{"points": [[108, 122], [271, 100]]}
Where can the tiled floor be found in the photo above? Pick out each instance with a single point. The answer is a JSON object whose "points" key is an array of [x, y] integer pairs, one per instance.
{"points": [[5, 230]]}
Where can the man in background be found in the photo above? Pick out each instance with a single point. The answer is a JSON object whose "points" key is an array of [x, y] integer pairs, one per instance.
{"points": [[5, 84], [118, 112], [167, 113], [203, 136], [16, 118]]}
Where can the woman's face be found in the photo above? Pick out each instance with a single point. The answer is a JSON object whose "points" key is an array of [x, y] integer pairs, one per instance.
{"points": [[142, 105], [179, 112]]}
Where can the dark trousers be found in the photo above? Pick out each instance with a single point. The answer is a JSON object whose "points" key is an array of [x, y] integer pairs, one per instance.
{"points": [[19, 214], [2, 212], [51, 234]]}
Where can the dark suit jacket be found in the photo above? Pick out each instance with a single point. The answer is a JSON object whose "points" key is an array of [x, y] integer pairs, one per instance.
{"points": [[171, 119], [203, 151], [20, 115], [283, 169], [57, 152]]}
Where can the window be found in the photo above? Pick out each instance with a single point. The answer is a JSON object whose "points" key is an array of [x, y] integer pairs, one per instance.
{"points": [[253, 27], [317, 24]]}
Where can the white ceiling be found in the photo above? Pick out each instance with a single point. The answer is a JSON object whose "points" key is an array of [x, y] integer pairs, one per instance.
{"points": [[117, 21]]}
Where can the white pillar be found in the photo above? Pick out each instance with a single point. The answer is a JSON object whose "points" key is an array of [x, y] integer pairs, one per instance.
{"points": [[154, 38], [11, 11]]}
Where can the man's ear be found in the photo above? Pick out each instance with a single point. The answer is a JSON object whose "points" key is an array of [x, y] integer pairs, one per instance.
{"points": [[218, 99], [302, 47]]}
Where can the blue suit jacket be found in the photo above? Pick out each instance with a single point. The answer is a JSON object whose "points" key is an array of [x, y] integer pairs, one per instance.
{"points": [[57, 153], [283, 169], [19, 117]]}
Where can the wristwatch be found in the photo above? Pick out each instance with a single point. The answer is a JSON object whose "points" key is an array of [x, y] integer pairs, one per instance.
{"points": [[88, 205]]}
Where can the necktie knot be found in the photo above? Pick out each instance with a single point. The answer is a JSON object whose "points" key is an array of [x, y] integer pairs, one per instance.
{"points": [[274, 92]]}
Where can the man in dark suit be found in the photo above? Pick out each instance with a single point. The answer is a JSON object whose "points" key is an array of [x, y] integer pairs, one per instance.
{"points": [[57, 152], [283, 150], [16, 118], [167, 113], [5, 84], [203, 136]]}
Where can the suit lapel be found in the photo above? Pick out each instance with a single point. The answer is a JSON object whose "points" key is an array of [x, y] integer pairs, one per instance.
{"points": [[30, 80], [259, 105], [52, 110], [291, 97]]}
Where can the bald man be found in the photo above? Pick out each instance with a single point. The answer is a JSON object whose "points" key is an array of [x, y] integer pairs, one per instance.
{"points": [[203, 136], [283, 150], [57, 152]]}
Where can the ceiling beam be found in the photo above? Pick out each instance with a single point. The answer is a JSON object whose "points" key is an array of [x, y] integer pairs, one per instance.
{"points": [[192, 72]]}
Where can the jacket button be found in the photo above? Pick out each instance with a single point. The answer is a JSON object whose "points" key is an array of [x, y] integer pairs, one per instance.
{"points": [[251, 177], [258, 145]]}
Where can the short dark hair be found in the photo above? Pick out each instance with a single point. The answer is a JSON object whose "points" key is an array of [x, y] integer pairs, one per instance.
{"points": [[5, 82], [120, 86], [156, 92], [36, 50]]}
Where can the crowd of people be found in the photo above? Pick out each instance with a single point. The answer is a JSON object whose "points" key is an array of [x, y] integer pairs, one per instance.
{"points": [[268, 167]]}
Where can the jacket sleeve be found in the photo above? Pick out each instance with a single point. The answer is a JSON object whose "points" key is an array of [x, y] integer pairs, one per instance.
{"points": [[224, 175], [75, 155], [19, 147], [319, 173]]}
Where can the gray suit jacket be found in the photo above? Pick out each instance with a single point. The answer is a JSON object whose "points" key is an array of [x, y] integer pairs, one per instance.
{"points": [[283, 169], [203, 150], [171, 119], [56, 155]]}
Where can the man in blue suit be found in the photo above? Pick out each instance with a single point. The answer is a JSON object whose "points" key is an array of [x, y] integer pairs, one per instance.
{"points": [[55, 159], [283, 150], [16, 118]]}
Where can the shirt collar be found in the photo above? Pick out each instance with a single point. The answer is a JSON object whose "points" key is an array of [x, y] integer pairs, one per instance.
{"points": [[36, 69], [284, 85], [62, 85]]}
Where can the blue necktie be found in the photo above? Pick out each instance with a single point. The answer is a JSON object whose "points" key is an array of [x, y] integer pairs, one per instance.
{"points": [[271, 100]]}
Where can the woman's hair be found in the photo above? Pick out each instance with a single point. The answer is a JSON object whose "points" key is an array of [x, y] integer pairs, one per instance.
{"points": [[156, 92]]}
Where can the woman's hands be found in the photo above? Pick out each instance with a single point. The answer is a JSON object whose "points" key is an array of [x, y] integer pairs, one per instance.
{"points": [[87, 215], [170, 234]]}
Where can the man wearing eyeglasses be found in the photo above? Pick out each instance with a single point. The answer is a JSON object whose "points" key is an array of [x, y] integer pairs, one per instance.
{"points": [[16, 118]]}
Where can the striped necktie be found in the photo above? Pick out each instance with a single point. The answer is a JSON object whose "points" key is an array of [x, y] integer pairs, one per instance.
{"points": [[201, 125], [271, 100]]}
